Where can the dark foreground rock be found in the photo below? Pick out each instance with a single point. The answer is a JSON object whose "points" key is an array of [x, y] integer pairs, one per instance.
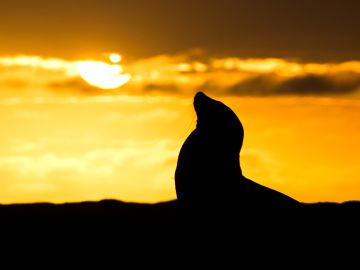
{"points": [[116, 216]]}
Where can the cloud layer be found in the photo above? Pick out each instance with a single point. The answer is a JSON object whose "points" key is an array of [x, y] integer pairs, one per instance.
{"points": [[184, 74]]}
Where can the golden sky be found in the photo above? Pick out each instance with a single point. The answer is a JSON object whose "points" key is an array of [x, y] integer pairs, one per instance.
{"points": [[96, 96]]}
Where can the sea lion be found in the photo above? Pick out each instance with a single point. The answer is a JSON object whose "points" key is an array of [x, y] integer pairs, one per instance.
{"points": [[208, 167]]}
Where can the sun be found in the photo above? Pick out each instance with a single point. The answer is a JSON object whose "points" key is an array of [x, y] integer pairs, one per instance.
{"points": [[115, 58], [103, 75]]}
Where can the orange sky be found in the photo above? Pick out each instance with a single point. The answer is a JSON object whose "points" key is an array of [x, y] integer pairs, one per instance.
{"points": [[96, 96], [64, 140]]}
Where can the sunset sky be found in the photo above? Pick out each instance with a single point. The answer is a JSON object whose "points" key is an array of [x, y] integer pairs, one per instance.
{"points": [[96, 96]]}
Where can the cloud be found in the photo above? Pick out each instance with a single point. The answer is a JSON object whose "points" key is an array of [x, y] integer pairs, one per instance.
{"points": [[187, 73], [184, 74], [123, 172], [163, 88], [74, 85], [310, 84], [257, 85], [319, 85]]}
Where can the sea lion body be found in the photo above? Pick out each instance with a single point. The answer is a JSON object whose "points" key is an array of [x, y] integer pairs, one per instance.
{"points": [[208, 168]]}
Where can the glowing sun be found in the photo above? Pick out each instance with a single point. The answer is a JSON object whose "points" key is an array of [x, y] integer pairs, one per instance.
{"points": [[103, 75]]}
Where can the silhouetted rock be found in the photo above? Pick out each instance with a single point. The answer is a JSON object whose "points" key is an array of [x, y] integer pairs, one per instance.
{"points": [[112, 216]]}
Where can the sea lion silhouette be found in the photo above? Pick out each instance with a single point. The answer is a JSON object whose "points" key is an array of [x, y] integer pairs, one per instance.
{"points": [[208, 167]]}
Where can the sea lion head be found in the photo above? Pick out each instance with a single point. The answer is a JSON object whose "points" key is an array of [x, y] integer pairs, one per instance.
{"points": [[218, 124]]}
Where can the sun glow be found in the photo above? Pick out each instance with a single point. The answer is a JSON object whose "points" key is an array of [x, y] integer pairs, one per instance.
{"points": [[103, 75], [115, 58]]}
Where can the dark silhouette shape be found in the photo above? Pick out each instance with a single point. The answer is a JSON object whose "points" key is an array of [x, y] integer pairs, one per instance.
{"points": [[208, 169]]}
